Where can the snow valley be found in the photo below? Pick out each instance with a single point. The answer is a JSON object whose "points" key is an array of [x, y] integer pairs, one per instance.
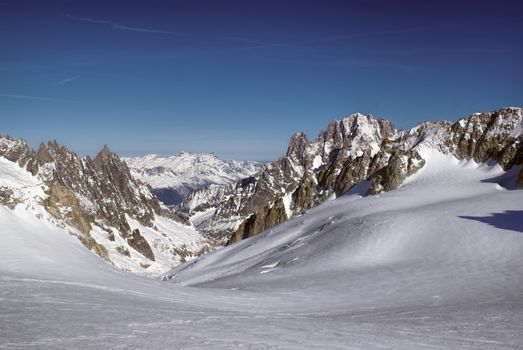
{"points": [[364, 237]]}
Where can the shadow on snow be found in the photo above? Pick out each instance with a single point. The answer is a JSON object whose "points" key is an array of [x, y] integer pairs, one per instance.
{"points": [[507, 220]]}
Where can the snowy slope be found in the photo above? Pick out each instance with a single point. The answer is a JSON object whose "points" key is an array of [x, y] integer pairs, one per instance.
{"points": [[436, 264], [171, 242], [173, 178]]}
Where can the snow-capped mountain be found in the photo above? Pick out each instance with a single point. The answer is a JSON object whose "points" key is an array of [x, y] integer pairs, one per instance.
{"points": [[119, 218], [435, 263], [98, 201], [174, 178], [356, 151]]}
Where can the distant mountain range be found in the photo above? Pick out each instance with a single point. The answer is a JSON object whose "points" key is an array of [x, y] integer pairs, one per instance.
{"points": [[174, 178]]}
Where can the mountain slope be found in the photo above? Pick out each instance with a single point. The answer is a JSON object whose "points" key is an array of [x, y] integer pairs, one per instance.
{"points": [[349, 151], [434, 264], [174, 178], [98, 201]]}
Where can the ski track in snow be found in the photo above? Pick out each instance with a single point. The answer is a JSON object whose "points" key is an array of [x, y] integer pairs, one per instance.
{"points": [[427, 266]]}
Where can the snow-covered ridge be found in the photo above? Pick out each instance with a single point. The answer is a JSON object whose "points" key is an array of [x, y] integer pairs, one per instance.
{"points": [[175, 177], [354, 149], [99, 202]]}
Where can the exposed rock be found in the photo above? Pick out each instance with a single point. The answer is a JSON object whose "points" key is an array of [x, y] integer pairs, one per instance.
{"points": [[395, 172], [43, 156], [123, 250], [303, 196], [260, 221], [136, 240], [349, 151], [61, 203], [17, 151], [352, 171], [485, 136], [7, 197], [91, 244], [298, 148]]}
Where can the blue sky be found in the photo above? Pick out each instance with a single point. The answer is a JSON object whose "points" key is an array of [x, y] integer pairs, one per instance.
{"points": [[237, 78]]}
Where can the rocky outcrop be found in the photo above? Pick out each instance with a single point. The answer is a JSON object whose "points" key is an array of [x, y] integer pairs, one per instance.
{"points": [[488, 136], [398, 168], [7, 197], [102, 203], [62, 204], [17, 151], [349, 151], [136, 240], [263, 219]]}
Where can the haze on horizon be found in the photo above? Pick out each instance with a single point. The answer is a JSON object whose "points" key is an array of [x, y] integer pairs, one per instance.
{"points": [[237, 78]]}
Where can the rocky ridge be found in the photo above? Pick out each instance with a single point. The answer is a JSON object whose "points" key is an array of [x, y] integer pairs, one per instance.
{"points": [[111, 213], [357, 150]]}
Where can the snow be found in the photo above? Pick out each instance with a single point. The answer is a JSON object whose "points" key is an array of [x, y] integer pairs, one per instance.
{"points": [[317, 162], [19, 180], [436, 264], [187, 172], [287, 202], [364, 132]]}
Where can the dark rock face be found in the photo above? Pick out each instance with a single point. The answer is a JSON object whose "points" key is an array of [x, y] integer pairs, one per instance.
{"points": [[349, 151], [136, 240], [398, 168], [257, 222]]}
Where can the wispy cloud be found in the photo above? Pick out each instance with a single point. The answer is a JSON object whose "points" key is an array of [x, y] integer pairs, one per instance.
{"points": [[118, 26], [37, 98], [257, 44], [66, 80], [374, 33]]}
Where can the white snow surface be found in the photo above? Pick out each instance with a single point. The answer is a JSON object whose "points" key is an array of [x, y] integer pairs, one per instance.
{"points": [[189, 171], [436, 264]]}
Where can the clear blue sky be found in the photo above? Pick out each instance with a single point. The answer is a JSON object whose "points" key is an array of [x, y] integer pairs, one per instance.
{"points": [[237, 78]]}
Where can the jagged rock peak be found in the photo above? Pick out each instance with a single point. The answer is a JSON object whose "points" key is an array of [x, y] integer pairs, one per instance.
{"points": [[42, 155], [104, 153], [298, 146]]}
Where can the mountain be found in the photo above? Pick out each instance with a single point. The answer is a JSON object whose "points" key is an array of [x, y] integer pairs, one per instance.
{"points": [[98, 201], [435, 264], [174, 178], [358, 152]]}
